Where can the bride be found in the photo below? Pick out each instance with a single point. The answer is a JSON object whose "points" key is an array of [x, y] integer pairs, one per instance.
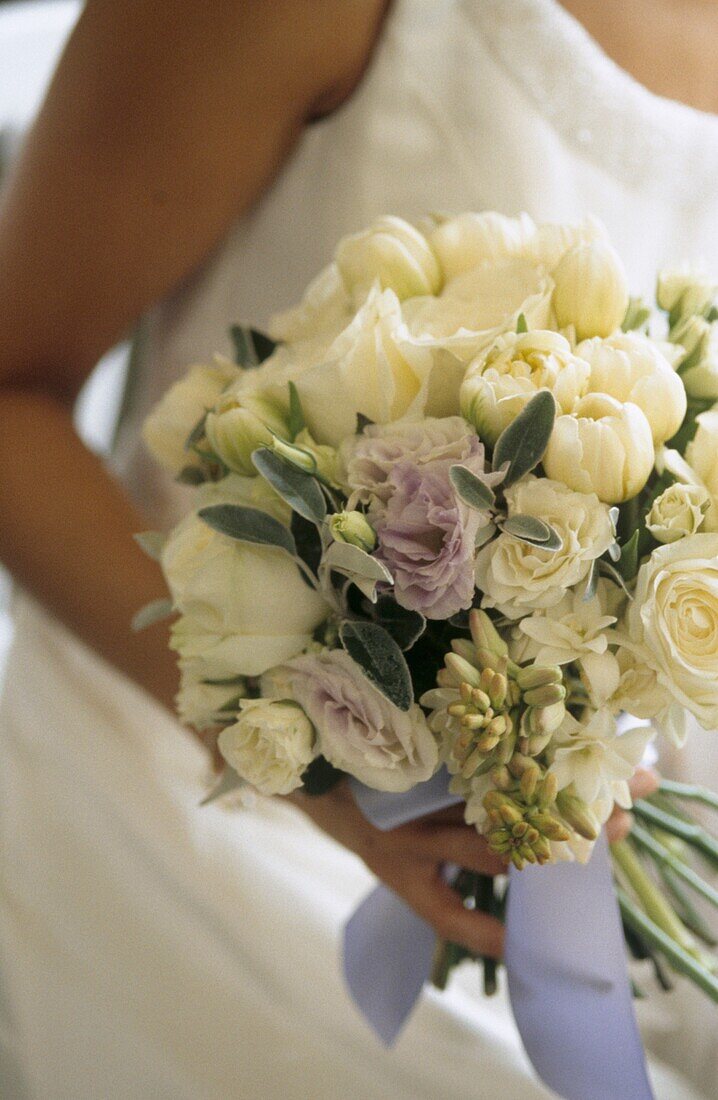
{"points": [[194, 165]]}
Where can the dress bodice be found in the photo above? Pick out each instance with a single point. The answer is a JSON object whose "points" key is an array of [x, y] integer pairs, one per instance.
{"points": [[467, 104]]}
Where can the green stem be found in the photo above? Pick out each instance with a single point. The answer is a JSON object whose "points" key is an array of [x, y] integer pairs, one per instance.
{"points": [[689, 831], [668, 859], [679, 959], [690, 791], [684, 906], [655, 904]]}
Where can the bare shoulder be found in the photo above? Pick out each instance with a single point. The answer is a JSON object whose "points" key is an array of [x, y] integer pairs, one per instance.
{"points": [[162, 124]]}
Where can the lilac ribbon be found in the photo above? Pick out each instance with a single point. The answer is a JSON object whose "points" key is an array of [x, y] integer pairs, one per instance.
{"points": [[565, 961]]}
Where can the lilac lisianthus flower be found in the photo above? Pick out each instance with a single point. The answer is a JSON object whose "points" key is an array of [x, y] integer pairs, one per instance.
{"points": [[358, 729]]}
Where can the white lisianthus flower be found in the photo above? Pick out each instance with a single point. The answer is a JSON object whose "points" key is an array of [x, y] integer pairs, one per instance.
{"points": [[674, 619], [630, 367], [392, 253], [596, 760], [503, 379], [518, 578], [241, 422], [270, 745], [359, 730], [243, 607], [604, 447], [679, 511], [575, 631], [167, 428], [702, 458], [591, 291]]}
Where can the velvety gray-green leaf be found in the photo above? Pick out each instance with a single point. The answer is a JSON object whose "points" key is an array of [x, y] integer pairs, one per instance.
{"points": [[534, 530], [152, 613], [523, 442], [248, 525], [405, 626], [627, 564], [299, 489], [471, 489], [191, 475], [344, 557], [250, 347], [152, 543], [296, 413], [374, 650]]}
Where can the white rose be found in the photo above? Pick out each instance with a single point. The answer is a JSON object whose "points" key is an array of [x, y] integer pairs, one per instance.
{"points": [[392, 253], [270, 745], [678, 512], [518, 578], [241, 422], [631, 367], [468, 240], [501, 380], [604, 447], [243, 607], [674, 618], [166, 429], [591, 291], [702, 457]]}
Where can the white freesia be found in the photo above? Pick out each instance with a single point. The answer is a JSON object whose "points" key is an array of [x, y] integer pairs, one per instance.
{"points": [[501, 380], [575, 631], [596, 760], [631, 367], [674, 619], [702, 458], [359, 730], [679, 511], [604, 447], [167, 428], [270, 745], [392, 253], [518, 578], [243, 607], [591, 291]]}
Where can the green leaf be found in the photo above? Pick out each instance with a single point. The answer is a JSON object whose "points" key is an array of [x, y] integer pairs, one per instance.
{"points": [[250, 347], [471, 489], [320, 776], [380, 659], [152, 613], [248, 525], [533, 530], [627, 564], [361, 568], [152, 542], [521, 326], [299, 489], [191, 475], [523, 442], [296, 414], [405, 626]]}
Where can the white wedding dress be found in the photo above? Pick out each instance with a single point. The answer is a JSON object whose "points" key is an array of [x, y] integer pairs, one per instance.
{"points": [[154, 950]]}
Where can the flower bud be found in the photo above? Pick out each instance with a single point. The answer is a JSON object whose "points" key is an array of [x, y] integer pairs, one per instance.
{"points": [[296, 455], [684, 293], [353, 527], [591, 291], [605, 448], [545, 695], [678, 512], [578, 815], [240, 424], [537, 676], [462, 671], [699, 367], [485, 634], [394, 254]]}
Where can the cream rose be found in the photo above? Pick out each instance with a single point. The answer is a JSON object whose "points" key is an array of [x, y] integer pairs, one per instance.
{"points": [[630, 367], [604, 447], [702, 457], [392, 253], [270, 745], [674, 618], [470, 239], [242, 607], [678, 512], [591, 291], [518, 578], [500, 381], [166, 429]]}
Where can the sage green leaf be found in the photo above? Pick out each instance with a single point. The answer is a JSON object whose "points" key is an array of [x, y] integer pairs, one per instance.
{"points": [[248, 525], [344, 557], [296, 413], [152, 613], [471, 489], [523, 442], [521, 325], [627, 564], [378, 656], [196, 434], [152, 542], [191, 475], [250, 347], [299, 489], [533, 530], [405, 626]]}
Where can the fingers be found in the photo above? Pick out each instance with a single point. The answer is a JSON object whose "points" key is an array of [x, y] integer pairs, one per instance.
{"points": [[460, 844], [645, 781], [618, 825], [445, 911]]}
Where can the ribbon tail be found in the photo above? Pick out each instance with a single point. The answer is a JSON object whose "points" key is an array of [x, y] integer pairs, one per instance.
{"points": [[570, 995]]}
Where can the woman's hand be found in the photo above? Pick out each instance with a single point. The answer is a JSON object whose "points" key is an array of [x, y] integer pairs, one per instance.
{"points": [[644, 782], [409, 861]]}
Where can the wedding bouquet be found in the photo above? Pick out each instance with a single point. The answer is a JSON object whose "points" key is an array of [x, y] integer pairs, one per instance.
{"points": [[460, 511]]}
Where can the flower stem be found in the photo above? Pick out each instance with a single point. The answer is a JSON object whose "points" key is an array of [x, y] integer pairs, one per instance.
{"points": [[689, 831], [667, 858], [689, 791], [684, 907], [655, 904], [679, 959]]}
